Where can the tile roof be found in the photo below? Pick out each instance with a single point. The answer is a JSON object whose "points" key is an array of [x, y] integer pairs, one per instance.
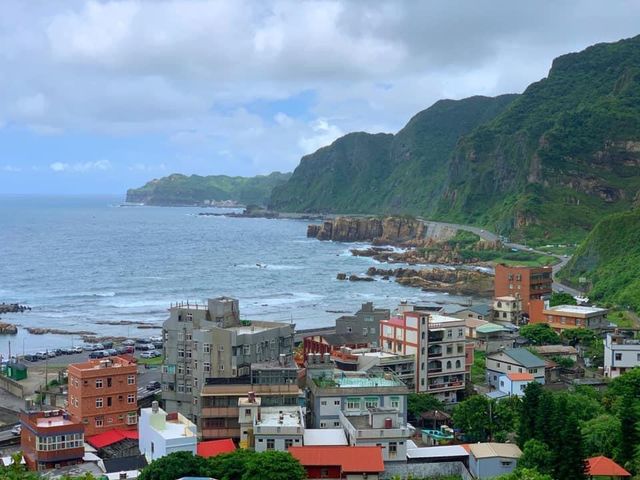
{"points": [[123, 464], [491, 328], [520, 377], [357, 459], [212, 448], [110, 437], [605, 467], [524, 357], [492, 450]]}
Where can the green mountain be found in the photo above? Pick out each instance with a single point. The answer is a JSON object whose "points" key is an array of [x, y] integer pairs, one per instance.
{"points": [[177, 189], [545, 165], [609, 260], [384, 173]]}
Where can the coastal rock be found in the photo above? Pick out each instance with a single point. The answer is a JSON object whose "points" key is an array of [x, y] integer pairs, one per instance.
{"points": [[8, 328], [356, 278], [462, 282], [56, 331], [13, 308], [402, 231], [341, 276]]}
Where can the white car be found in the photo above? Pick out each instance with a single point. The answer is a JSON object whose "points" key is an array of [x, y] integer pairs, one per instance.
{"points": [[17, 430], [150, 354]]}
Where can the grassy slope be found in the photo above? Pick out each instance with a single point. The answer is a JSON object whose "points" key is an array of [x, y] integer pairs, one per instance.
{"points": [[180, 189], [609, 259]]}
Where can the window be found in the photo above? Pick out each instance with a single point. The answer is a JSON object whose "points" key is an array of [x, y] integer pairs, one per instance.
{"points": [[108, 401], [181, 353], [505, 464], [132, 418], [449, 333], [365, 330], [98, 383], [131, 398], [449, 365], [271, 444], [353, 404], [246, 350], [508, 367], [98, 402], [207, 366], [460, 348], [458, 364], [180, 369], [324, 472], [336, 402], [221, 367], [323, 425], [99, 422], [460, 332], [395, 402], [131, 379], [323, 402], [618, 356], [206, 347], [393, 449], [288, 443], [371, 402], [180, 388]]}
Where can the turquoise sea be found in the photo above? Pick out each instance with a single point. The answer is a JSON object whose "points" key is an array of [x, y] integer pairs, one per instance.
{"points": [[80, 260]]}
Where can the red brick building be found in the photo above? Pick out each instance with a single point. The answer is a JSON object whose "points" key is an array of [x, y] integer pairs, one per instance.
{"points": [[50, 439], [103, 394], [363, 462], [526, 283]]}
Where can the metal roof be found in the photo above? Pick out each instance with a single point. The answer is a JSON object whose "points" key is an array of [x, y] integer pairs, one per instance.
{"points": [[524, 357]]}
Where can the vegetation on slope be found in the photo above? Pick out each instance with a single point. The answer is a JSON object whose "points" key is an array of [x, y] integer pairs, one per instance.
{"points": [[609, 260], [177, 189]]}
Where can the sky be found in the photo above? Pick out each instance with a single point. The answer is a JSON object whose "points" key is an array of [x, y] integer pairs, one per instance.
{"points": [[101, 96]]}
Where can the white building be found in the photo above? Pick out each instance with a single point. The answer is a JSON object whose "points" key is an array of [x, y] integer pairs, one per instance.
{"points": [[507, 309], [513, 384], [620, 354], [490, 460], [161, 433]]}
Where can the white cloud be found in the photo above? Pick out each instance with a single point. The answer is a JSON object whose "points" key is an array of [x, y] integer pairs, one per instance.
{"points": [[323, 133], [81, 167], [10, 168]]}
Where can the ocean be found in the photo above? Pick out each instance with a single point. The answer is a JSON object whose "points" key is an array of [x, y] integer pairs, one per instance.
{"points": [[81, 260]]}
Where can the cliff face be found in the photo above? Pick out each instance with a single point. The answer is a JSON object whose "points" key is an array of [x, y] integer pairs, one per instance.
{"points": [[402, 231], [545, 165]]}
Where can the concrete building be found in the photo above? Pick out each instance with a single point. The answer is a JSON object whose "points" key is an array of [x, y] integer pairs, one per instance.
{"points": [[103, 394], [490, 460], [161, 433], [564, 317], [477, 312], [50, 439], [337, 462], [492, 337], [513, 360], [385, 427], [525, 283], [507, 309], [352, 393], [365, 359], [513, 384], [278, 428], [208, 342], [438, 343], [620, 354], [365, 322]]}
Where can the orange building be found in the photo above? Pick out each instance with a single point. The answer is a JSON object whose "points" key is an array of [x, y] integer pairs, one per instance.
{"points": [[527, 283], [565, 317], [103, 394], [50, 439]]}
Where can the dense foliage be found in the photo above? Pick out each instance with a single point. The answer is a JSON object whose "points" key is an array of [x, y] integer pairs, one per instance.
{"points": [[609, 259], [561, 298], [547, 164], [180, 189], [540, 334], [418, 403]]}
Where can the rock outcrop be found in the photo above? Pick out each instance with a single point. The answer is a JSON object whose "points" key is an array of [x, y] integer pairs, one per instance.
{"points": [[8, 328], [461, 282], [402, 231]]}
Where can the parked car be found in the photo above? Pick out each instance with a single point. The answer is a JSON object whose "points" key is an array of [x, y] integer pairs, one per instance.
{"points": [[156, 339], [125, 349], [41, 355], [129, 342], [17, 430], [78, 349], [153, 386], [150, 354], [31, 358], [98, 354], [145, 346], [158, 345], [52, 354], [107, 345], [111, 351]]}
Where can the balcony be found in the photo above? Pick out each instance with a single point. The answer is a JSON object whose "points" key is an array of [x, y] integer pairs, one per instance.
{"points": [[437, 336], [434, 367], [434, 352], [432, 387]]}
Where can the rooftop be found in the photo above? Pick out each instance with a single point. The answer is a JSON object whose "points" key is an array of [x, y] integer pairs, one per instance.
{"points": [[604, 467], [576, 309], [279, 417], [490, 450], [445, 451], [340, 379], [57, 421], [212, 448], [523, 356], [324, 436], [555, 350], [358, 459], [98, 363], [520, 377], [506, 298], [112, 436], [491, 328]]}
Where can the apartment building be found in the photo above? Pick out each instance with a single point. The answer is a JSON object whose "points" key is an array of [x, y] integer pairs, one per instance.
{"points": [[50, 439], [103, 394], [332, 391], [438, 343], [565, 317], [621, 353], [161, 433], [204, 343], [525, 283], [365, 322]]}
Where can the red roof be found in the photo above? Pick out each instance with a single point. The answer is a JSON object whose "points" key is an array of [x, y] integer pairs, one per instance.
{"points": [[215, 447], [520, 377], [359, 459], [112, 436], [605, 467]]}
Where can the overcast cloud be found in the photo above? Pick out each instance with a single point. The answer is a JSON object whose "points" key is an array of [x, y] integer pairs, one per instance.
{"points": [[103, 95]]}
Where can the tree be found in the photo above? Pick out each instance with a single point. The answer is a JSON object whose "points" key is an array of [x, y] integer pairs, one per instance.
{"points": [[578, 336], [540, 334], [602, 436], [417, 403], [230, 466], [561, 298], [536, 455], [525, 474], [472, 416], [628, 415], [176, 465], [506, 417], [274, 466], [583, 405], [569, 461], [529, 412]]}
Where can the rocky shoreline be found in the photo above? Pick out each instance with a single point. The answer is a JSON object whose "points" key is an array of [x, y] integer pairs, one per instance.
{"points": [[438, 253], [13, 308]]}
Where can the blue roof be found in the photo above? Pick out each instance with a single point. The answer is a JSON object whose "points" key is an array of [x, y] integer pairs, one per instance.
{"points": [[496, 394], [524, 357]]}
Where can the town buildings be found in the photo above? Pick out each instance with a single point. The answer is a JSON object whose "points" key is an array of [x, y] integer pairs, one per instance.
{"points": [[525, 283], [564, 317], [365, 322], [442, 354], [209, 346], [621, 353], [490, 460], [513, 360], [103, 394], [51, 439], [161, 433]]}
